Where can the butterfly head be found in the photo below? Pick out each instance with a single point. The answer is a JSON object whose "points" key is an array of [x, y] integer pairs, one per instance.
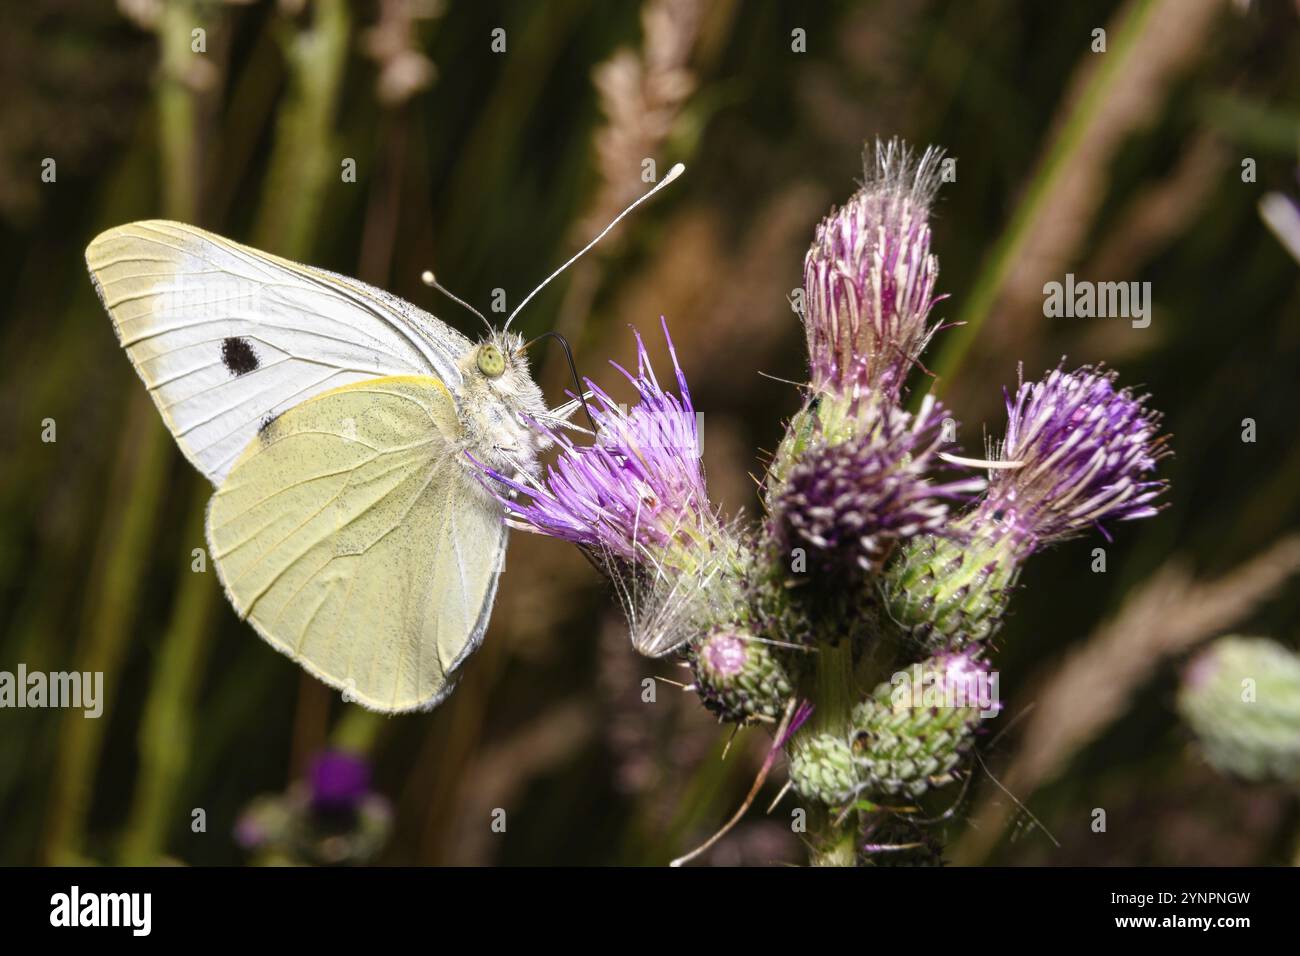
{"points": [[498, 398], [491, 361], [500, 359]]}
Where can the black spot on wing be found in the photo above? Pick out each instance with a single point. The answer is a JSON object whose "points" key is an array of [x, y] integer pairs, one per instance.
{"points": [[238, 356], [264, 429]]}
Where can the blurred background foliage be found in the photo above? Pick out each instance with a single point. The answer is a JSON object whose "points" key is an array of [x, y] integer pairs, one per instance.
{"points": [[492, 167]]}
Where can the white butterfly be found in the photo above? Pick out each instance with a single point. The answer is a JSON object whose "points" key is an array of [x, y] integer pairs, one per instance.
{"points": [[348, 526]]}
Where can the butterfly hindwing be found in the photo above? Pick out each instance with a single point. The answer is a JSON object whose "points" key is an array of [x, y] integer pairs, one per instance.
{"points": [[227, 338], [352, 537]]}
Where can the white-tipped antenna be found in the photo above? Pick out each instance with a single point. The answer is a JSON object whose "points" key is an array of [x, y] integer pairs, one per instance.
{"points": [[429, 279], [672, 174], [979, 462]]}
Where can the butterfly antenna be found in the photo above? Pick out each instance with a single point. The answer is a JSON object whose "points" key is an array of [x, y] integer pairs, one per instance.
{"points": [[672, 174], [573, 368], [429, 279]]}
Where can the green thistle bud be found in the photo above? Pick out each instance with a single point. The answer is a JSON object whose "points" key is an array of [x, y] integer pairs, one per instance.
{"points": [[740, 678], [915, 730], [950, 593], [802, 431], [1241, 697], [773, 610], [821, 769]]}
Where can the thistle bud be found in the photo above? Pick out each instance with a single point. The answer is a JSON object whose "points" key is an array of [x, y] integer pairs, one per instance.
{"points": [[869, 278], [913, 732], [864, 485], [951, 592], [822, 769], [740, 678], [1077, 452], [1241, 697]]}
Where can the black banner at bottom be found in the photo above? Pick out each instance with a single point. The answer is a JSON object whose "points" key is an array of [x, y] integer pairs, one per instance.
{"points": [[336, 906]]}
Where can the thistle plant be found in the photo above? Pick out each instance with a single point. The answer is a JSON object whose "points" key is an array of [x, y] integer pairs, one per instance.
{"points": [[855, 618], [1077, 451], [1241, 698], [331, 818]]}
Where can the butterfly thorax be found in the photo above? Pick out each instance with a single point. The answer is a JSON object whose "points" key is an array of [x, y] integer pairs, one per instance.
{"points": [[496, 398]]}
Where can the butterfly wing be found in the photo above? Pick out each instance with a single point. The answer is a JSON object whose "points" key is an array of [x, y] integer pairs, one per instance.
{"points": [[353, 538], [226, 338]]}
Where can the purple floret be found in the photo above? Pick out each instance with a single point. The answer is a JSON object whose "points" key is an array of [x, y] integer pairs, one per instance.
{"points": [[1086, 454], [639, 485]]}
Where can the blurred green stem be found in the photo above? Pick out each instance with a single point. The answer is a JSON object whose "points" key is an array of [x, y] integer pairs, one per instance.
{"points": [[177, 109], [695, 806], [357, 730], [166, 730], [1010, 246], [123, 551], [122, 554], [305, 156]]}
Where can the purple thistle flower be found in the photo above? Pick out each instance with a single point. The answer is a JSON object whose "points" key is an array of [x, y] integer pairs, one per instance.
{"points": [[1085, 451], [851, 501], [639, 487], [869, 278]]}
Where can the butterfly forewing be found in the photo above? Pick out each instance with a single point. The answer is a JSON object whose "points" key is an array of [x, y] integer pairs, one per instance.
{"points": [[227, 338]]}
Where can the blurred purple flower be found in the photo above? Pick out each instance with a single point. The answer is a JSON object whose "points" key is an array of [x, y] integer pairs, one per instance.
{"points": [[251, 831], [869, 278], [330, 817], [1085, 452], [339, 782], [639, 487]]}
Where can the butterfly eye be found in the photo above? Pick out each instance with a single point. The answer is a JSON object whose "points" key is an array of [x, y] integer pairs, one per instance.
{"points": [[490, 360]]}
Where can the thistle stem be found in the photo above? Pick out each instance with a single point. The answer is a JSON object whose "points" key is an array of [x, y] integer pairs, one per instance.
{"points": [[832, 837], [833, 844]]}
